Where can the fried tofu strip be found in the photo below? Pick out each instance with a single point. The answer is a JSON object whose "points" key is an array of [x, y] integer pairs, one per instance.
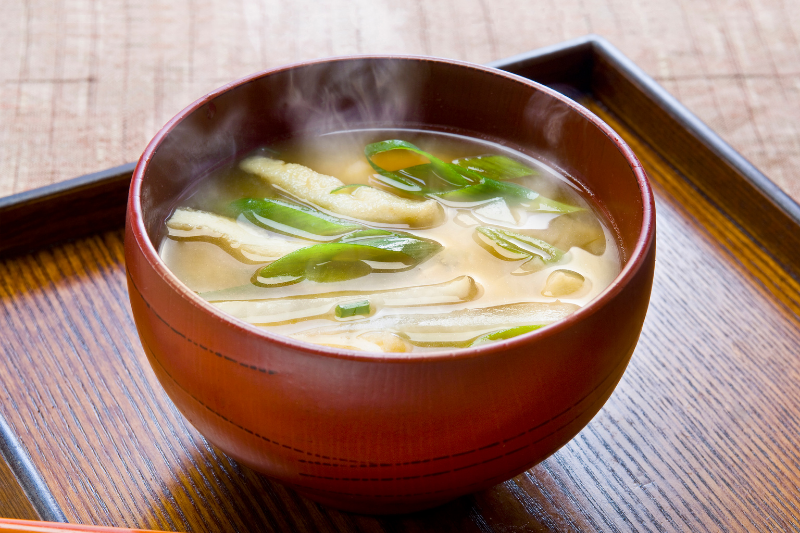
{"points": [[188, 224], [444, 329], [363, 203], [371, 341], [280, 310]]}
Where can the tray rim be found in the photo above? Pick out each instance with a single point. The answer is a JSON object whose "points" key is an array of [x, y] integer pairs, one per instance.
{"points": [[46, 192], [659, 96], [582, 51]]}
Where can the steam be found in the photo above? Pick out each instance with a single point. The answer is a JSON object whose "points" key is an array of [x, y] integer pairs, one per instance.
{"points": [[344, 95], [304, 101], [541, 109]]}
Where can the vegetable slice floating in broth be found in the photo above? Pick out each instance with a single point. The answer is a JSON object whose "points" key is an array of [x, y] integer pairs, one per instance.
{"points": [[293, 219], [502, 335], [353, 256], [348, 309], [496, 167], [460, 183], [520, 246]]}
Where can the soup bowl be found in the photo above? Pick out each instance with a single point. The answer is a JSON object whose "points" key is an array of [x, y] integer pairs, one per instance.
{"points": [[388, 432]]}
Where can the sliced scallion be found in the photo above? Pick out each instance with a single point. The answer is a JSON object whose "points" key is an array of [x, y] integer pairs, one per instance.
{"points": [[348, 309], [468, 180], [503, 334], [348, 258], [496, 167], [521, 246], [293, 219]]}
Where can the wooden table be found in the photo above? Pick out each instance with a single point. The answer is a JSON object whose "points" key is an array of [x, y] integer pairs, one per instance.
{"points": [[86, 85], [700, 435]]}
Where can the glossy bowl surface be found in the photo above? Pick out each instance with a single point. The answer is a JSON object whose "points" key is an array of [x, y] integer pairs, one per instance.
{"points": [[381, 433]]}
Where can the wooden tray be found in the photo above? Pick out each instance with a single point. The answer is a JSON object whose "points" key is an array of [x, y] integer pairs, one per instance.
{"points": [[701, 434]]}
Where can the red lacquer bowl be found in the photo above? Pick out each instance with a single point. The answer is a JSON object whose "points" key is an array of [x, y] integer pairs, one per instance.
{"points": [[384, 433]]}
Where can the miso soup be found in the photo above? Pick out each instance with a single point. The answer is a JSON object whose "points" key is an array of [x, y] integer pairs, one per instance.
{"points": [[391, 241]]}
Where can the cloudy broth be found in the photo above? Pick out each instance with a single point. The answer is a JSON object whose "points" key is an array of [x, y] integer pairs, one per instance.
{"points": [[472, 269]]}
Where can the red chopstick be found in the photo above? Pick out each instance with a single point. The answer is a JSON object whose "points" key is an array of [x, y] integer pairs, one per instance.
{"points": [[8, 525]]}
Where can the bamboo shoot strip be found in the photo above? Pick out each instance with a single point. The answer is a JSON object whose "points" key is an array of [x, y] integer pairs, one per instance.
{"points": [[245, 244], [364, 203], [455, 329], [280, 310]]}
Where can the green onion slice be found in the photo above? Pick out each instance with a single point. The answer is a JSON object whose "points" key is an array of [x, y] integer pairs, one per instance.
{"points": [[503, 334], [348, 309], [468, 180], [521, 246], [353, 256], [496, 167], [546, 204], [489, 188], [433, 176], [293, 219]]}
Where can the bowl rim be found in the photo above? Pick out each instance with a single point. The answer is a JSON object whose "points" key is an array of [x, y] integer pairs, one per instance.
{"points": [[635, 262]]}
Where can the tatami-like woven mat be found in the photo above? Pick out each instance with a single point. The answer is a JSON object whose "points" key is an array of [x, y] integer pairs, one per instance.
{"points": [[85, 84]]}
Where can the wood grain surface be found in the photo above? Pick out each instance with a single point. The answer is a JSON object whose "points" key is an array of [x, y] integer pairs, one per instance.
{"points": [[23, 493], [700, 435], [86, 84], [13, 501]]}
